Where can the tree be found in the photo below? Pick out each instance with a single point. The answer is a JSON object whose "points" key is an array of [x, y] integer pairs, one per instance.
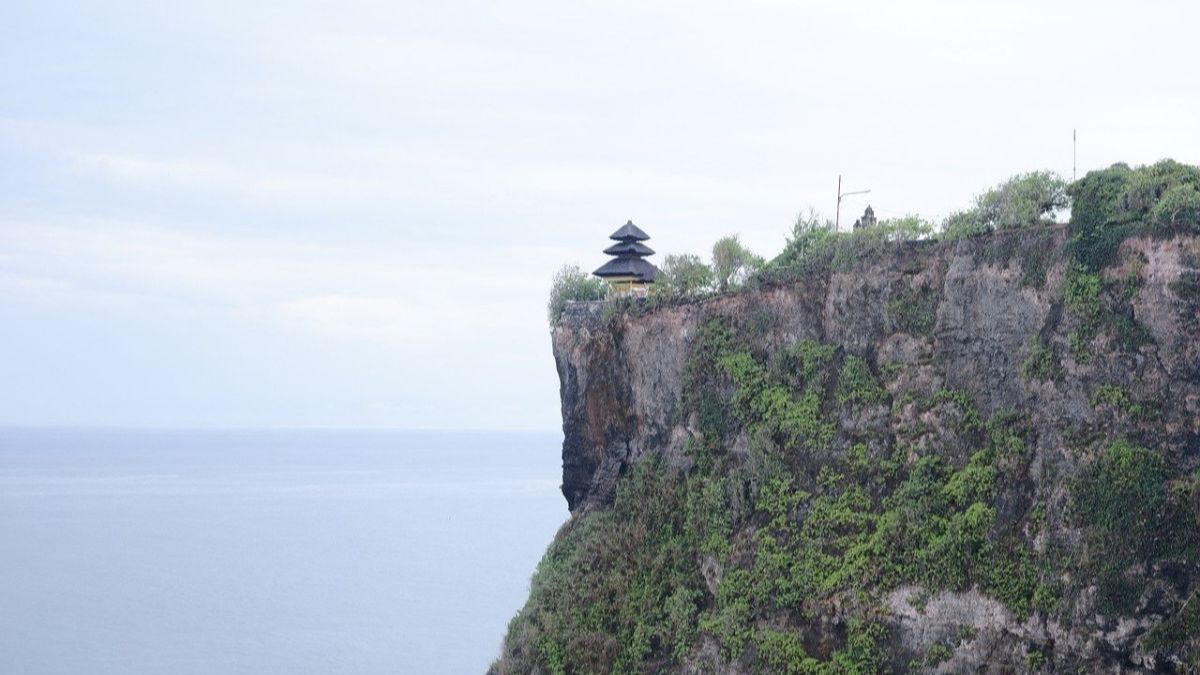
{"points": [[810, 241], [961, 225], [905, 228], [685, 274], [1024, 199], [1148, 184], [732, 263], [1179, 206], [1162, 193], [573, 284], [807, 224], [1096, 198]]}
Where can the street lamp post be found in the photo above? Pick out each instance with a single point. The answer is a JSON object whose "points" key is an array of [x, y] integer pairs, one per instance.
{"points": [[837, 223]]}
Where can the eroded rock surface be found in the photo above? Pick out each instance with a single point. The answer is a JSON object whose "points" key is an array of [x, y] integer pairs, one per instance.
{"points": [[985, 318]]}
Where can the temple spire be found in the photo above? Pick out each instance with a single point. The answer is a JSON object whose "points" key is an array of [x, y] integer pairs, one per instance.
{"points": [[628, 272]]}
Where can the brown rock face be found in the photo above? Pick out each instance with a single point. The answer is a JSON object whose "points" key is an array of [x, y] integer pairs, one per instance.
{"points": [[986, 317], [622, 375]]}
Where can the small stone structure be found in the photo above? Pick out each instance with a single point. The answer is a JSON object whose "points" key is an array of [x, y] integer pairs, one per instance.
{"points": [[868, 218]]}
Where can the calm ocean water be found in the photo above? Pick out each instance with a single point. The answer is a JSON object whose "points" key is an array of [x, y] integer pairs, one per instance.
{"points": [[268, 551]]}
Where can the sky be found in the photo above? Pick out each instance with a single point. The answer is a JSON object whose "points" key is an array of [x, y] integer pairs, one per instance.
{"points": [[348, 214]]}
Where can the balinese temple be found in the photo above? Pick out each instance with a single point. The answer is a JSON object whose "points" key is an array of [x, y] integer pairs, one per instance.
{"points": [[628, 272], [868, 219]]}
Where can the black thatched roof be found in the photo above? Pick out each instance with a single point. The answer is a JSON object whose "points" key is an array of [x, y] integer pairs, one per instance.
{"points": [[629, 232], [628, 266], [629, 248]]}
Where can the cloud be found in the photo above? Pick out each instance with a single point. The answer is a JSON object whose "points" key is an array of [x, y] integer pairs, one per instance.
{"points": [[409, 294], [39, 290], [387, 319], [216, 176]]}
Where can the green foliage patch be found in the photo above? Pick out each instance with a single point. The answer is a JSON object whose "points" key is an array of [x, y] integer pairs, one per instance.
{"points": [[732, 263], [620, 589], [1023, 200], [1103, 305], [934, 525], [1042, 362], [572, 284], [1163, 194], [1181, 629], [914, 310], [947, 506], [704, 383], [684, 275], [856, 384], [1119, 398], [815, 246], [1133, 521], [762, 400]]}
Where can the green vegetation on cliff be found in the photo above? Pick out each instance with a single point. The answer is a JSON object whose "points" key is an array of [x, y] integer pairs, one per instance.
{"points": [[829, 481]]}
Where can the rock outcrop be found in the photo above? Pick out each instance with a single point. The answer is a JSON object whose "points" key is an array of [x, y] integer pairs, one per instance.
{"points": [[993, 357], [621, 375]]}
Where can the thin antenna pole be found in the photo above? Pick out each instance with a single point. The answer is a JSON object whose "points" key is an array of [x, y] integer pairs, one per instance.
{"points": [[1074, 153], [837, 219]]}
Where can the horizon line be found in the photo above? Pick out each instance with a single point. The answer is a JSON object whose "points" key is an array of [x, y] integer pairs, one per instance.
{"points": [[118, 427]]}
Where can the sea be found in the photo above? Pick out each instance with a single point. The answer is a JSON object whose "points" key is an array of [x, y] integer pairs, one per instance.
{"points": [[268, 551]]}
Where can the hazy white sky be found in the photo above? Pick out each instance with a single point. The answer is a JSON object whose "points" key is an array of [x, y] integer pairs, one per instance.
{"points": [[242, 213]]}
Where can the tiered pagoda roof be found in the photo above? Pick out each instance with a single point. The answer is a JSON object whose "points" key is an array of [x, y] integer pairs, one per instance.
{"points": [[628, 265]]}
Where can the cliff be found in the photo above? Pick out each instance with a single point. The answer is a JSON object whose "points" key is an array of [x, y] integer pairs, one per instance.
{"points": [[978, 455]]}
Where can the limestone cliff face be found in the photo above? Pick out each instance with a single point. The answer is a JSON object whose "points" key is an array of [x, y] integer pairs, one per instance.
{"points": [[622, 376], [990, 319]]}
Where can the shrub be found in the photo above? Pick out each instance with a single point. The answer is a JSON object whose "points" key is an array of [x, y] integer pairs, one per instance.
{"points": [[1102, 305], [763, 401], [914, 310], [703, 380], [938, 653], [1024, 199], [1096, 198], [810, 248], [1109, 205], [906, 228], [616, 588], [1035, 658], [1037, 256], [1147, 185], [1119, 398], [685, 274], [856, 385], [1081, 292], [784, 653], [850, 247], [962, 225], [1178, 207], [1097, 248], [1132, 519], [815, 246], [1042, 363], [732, 263], [572, 284]]}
